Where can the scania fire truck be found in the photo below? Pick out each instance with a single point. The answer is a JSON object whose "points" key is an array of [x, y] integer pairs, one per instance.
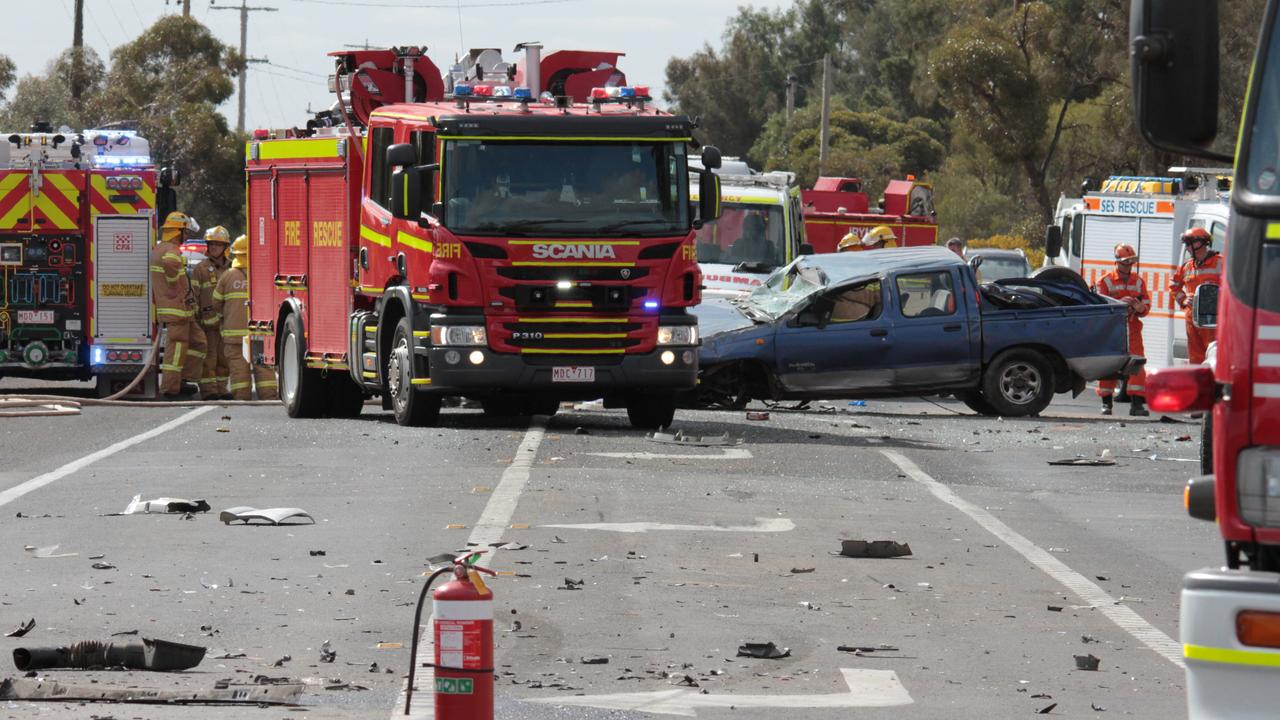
{"points": [[472, 235], [1230, 617], [77, 217], [838, 206]]}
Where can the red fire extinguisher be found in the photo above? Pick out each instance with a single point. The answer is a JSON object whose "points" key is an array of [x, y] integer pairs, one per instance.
{"points": [[463, 633]]}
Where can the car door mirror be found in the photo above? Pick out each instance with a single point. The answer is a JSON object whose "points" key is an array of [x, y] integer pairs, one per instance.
{"points": [[1052, 241], [1204, 306], [406, 193]]}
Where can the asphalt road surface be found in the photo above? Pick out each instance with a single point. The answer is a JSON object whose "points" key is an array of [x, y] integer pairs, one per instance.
{"points": [[675, 554]]}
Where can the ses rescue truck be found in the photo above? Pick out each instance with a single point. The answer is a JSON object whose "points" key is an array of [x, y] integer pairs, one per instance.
{"points": [[77, 217], [761, 228], [1230, 617], [470, 235], [836, 207], [1149, 213]]}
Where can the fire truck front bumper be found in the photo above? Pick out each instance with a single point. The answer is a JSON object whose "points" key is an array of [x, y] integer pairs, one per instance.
{"points": [[479, 370]]}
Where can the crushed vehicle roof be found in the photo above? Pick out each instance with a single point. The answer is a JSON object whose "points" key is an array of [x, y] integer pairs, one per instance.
{"points": [[840, 267]]}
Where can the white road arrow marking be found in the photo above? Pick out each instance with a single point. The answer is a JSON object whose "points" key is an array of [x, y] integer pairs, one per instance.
{"points": [[726, 454], [770, 525], [867, 688]]}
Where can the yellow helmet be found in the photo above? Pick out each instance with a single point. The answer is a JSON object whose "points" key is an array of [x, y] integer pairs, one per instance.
{"points": [[217, 234], [849, 242], [181, 221], [240, 246], [878, 234]]}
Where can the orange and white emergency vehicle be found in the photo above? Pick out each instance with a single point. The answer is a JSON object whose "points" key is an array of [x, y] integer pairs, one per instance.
{"points": [[471, 235], [77, 219], [838, 206], [1149, 213]]}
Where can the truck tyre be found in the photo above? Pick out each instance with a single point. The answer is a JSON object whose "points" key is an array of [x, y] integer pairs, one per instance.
{"points": [[1018, 382], [1206, 444], [504, 407], [346, 399], [651, 413], [412, 407], [301, 388], [974, 401]]}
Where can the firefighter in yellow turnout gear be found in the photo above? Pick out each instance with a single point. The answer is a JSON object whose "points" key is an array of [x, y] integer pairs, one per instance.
{"points": [[231, 303], [185, 344], [204, 279]]}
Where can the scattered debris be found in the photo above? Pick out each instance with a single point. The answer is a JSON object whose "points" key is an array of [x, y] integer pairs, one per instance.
{"points": [[512, 546], [149, 654], [282, 661], [103, 566], [327, 653], [1047, 709], [557, 539], [273, 516], [801, 571], [223, 693], [874, 548], [1183, 438], [48, 552], [581, 431], [757, 415], [1087, 662], [882, 647], [224, 429], [1054, 608], [808, 605], [1097, 708], [595, 660], [766, 650], [1086, 639], [165, 505], [1084, 462], [22, 629], [679, 438], [571, 584], [317, 553], [687, 681]]}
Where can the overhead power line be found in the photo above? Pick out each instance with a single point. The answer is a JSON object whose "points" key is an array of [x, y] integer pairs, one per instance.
{"points": [[428, 6]]}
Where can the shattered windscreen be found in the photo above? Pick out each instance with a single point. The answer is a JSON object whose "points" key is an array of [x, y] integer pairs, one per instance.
{"points": [[786, 289]]}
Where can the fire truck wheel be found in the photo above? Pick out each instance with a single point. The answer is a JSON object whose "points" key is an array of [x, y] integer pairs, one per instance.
{"points": [[346, 399], [1206, 444], [1018, 382], [503, 407], [301, 388], [651, 413], [974, 401], [412, 407]]}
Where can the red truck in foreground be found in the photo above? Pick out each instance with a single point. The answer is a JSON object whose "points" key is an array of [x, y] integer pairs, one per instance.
{"points": [[470, 235], [1230, 617]]}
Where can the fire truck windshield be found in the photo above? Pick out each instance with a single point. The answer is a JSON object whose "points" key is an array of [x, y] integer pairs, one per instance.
{"points": [[565, 188], [1262, 171], [748, 233]]}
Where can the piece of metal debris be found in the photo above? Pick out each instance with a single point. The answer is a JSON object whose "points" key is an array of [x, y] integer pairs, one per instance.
{"points": [[149, 654], [595, 660], [165, 505], [48, 552], [571, 584], [1047, 709], [766, 650], [222, 694], [801, 571], [874, 548], [273, 516], [679, 438], [757, 415], [327, 653], [1087, 662], [1054, 608], [1097, 708], [882, 647], [22, 629], [1083, 462]]}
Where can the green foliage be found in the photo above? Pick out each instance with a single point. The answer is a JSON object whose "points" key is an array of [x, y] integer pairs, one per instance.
{"points": [[48, 97], [8, 72], [1035, 255]]}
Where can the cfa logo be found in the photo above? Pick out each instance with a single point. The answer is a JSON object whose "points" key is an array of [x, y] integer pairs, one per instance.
{"points": [[573, 252]]}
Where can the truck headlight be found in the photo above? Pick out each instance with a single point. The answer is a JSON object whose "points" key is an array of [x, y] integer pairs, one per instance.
{"points": [[677, 334], [465, 335], [1258, 485]]}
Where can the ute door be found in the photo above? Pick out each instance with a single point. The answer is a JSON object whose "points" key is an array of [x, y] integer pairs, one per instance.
{"points": [[935, 336], [839, 343]]}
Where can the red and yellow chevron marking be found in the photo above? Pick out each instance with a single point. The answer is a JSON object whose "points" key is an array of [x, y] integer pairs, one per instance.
{"points": [[15, 201], [57, 207], [100, 196]]}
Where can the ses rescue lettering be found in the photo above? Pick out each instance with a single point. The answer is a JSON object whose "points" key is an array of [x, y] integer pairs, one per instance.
{"points": [[1122, 206], [326, 233], [573, 252]]}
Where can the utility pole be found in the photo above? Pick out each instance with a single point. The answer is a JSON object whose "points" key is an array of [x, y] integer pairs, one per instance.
{"points": [[826, 113], [365, 46], [77, 54], [791, 95], [244, 49], [186, 8]]}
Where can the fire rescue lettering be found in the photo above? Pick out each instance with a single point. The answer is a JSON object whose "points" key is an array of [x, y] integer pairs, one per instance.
{"points": [[573, 252], [445, 251], [689, 252], [293, 232], [326, 233]]}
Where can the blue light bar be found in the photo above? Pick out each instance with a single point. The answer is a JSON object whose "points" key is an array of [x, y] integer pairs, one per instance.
{"points": [[650, 304], [98, 355], [522, 93], [461, 90], [122, 160], [626, 92]]}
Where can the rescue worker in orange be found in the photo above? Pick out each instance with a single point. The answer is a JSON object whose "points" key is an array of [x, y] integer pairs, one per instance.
{"points": [[1127, 286], [185, 343], [1204, 266], [231, 302], [213, 381]]}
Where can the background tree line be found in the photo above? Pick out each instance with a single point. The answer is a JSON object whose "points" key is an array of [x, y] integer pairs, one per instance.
{"points": [[166, 84], [1002, 106]]}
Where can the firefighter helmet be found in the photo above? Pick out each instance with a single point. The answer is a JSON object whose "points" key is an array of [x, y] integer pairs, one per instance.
{"points": [[240, 246], [879, 235], [181, 221], [849, 242], [1126, 254], [1195, 235], [217, 234]]}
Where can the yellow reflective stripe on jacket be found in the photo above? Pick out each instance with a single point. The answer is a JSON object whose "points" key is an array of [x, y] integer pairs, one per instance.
{"points": [[173, 312], [157, 268], [173, 256], [233, 296], [234, 333], [1231, 657]]}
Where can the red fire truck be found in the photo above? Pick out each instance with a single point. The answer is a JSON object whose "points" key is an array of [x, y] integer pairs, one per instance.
{"points": [[77, 216], [1230, 617], [471, 235], [836, 207]]}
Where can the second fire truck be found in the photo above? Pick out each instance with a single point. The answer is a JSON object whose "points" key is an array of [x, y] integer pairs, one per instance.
{"points": [[471, 235]]}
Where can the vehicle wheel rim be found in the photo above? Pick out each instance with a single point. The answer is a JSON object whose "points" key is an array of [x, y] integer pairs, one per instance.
{"points": [[1020, 383], [397, 374], [289, 368]]}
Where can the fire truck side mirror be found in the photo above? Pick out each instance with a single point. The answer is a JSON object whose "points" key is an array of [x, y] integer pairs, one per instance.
{"points": [[401, 154], [406, 192], [711, 157], [708, 196], [1204, 306], [1052, 241], [170, 177], [1174, 55]]}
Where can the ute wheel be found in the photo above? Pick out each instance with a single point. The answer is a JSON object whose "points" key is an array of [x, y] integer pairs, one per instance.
{"points": [[651, 413], [301, 388], [412, 407], [346, 399], [1018, 383], [974, 401], [1206, 444]]}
